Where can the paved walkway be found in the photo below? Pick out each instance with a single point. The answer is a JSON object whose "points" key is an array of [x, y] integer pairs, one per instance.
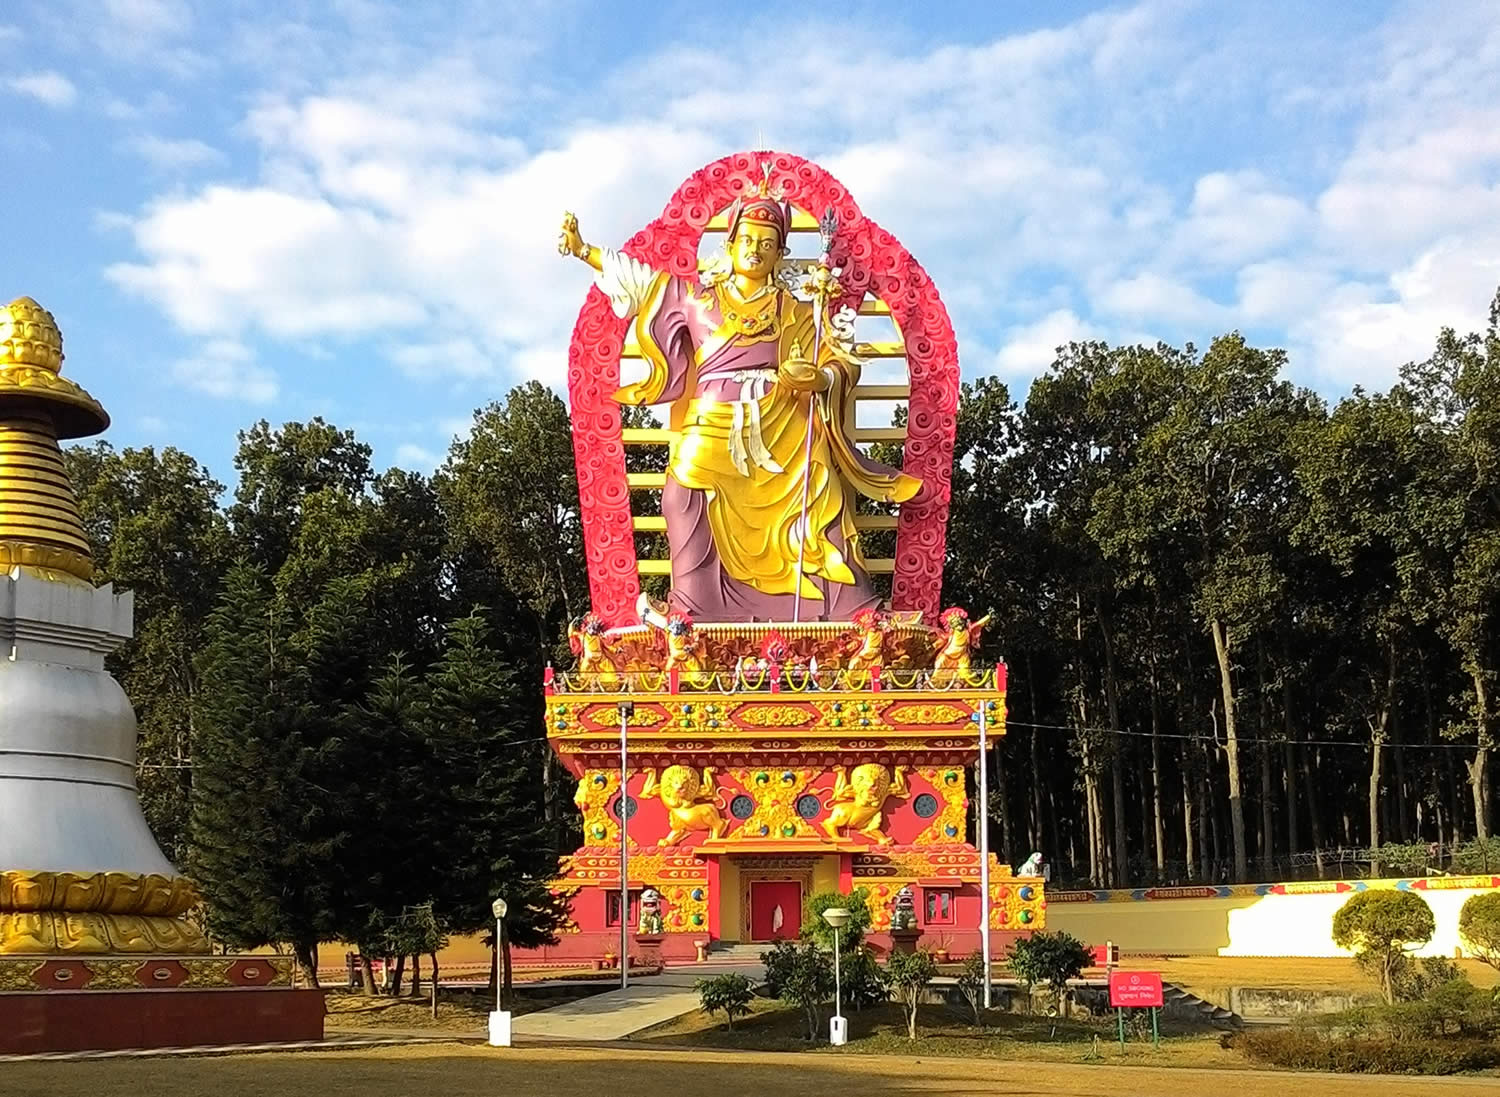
{"points": [[616, 1014]]}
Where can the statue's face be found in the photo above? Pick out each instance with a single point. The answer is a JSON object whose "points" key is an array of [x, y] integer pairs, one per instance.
{"points": [[754, 250], [871, 783], [681, 782]]}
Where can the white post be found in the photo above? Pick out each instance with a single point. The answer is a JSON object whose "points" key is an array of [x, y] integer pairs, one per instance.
{"points": [[627, 708], [838, 992], [838, 1028], [500, 1019], [984, 846]]}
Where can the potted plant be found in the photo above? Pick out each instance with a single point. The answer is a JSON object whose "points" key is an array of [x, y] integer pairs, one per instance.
{"points": [[940, 953]]}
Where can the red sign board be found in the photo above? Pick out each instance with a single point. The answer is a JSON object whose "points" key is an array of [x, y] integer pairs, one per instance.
{"points": [[1138, 989]]}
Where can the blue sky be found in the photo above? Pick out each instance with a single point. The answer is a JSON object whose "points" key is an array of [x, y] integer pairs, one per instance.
{"points": [[243, 210]]}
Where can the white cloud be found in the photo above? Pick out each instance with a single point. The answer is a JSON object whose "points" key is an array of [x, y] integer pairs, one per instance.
{"points": [[1036, 178], [417, 458], [1237, 216], [174, 154], [458, 357], [1031, 348], [1364, 333], [1151, 296], [51, 88], [149, 18], [228, 370]]}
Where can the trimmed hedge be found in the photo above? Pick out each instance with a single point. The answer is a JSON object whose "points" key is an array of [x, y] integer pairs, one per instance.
{"points": [[1303, 1048]]}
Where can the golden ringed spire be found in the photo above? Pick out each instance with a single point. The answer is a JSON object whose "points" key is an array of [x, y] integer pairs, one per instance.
{"points": [[39, 523]]}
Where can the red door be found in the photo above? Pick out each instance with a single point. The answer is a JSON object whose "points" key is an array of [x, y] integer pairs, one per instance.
{"points": [[775, 909]]}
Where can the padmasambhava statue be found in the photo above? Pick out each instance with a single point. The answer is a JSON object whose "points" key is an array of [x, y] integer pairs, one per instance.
{"points": [[756, 418]]}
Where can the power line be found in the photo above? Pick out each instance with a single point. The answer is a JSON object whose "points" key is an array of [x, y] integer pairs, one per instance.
{"points": [[1238, 738]]}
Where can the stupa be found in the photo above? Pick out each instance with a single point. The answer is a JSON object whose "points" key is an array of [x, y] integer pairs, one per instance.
{"points": [[98, 948]]}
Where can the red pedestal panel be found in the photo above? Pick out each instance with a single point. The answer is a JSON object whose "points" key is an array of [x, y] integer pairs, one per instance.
{"points": [[99, 1020]]}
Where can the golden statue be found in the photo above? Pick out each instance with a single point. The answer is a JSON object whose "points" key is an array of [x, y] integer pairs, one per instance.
{"points": [[684, 648], [689, 801], [859, 801], [953, 646], [761, 426], [867, 648], [595, 661]]}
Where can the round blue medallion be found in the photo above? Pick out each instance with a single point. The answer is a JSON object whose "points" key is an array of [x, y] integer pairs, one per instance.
{"points": [[742, 807], [808, 806], [925, 805]]}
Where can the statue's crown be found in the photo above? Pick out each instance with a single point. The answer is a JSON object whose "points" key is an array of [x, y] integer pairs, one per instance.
{"points": [[762, 208]]}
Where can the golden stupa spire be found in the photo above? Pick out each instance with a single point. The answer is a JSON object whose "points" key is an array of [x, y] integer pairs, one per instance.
{"points": [[39, 523]]}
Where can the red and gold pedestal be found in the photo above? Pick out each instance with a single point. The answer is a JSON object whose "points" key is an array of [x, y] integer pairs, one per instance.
{"points": [[58, 1004], [749, 790]]}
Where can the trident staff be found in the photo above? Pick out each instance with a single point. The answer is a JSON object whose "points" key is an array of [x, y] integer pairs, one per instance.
{"points": [[822, 284]]}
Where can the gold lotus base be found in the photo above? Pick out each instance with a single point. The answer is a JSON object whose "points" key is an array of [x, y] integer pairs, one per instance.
{"points": [[92, 913], [55, 933]]}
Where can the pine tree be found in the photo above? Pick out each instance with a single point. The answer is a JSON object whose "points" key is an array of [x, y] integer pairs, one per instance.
{"points": [[481, 721], [261, 850]]}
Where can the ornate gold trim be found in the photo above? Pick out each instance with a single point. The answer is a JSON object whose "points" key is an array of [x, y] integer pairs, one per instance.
{"points": [[132, 893], [55, 933]]}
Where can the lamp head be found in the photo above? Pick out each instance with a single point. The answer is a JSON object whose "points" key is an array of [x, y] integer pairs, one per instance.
{"points": [[498, 908], [837, 917]]}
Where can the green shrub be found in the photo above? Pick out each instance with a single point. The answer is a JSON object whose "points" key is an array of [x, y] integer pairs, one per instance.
{"points": [[801, 976], [778, 961], [909, 974], [1379, 927], [971, 984], [857, 903], [862, 979], [1302, 1047], [1479, 926], [1050, 959], [728, 994]]}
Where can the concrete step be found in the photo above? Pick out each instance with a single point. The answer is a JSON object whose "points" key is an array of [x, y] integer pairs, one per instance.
{"points": [[1185, 1004]]}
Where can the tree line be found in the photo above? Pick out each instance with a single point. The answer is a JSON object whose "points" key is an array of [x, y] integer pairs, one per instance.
{"points": [[1248, 632]]}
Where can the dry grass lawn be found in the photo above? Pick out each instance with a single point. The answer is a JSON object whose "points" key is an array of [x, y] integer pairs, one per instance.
{"points": [[1209, 973], [461, 1012], [453, 1070]]}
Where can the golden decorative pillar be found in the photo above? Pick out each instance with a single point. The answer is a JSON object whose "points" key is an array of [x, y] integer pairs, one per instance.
{"points": [[80, 872]]}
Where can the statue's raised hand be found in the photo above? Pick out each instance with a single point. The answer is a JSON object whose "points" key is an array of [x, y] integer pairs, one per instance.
{"points": [[569, 241]]}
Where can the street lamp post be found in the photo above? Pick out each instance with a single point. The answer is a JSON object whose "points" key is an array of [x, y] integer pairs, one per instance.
{"points": [[627, 710], [981, 717], [838, 1031], [500, 1019]]}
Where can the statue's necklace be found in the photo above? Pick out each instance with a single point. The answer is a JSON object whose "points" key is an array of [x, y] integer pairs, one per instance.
{"points": [[748, 318]]}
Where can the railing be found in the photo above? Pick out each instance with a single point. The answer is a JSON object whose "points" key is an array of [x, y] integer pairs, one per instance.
{"points": [[774, 679]]}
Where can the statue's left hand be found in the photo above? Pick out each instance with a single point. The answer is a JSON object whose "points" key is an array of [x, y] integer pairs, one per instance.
{"points": [[801, 374]]}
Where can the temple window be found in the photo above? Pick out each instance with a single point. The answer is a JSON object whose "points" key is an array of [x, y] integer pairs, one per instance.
{"points": [[612, 907], [939, 906]]}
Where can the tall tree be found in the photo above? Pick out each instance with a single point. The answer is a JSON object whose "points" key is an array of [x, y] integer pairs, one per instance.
{"points": [[1460, 387], [154, 521]]}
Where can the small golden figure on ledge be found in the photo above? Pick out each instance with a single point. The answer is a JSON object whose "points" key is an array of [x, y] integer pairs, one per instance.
{"points": [[596, 662], [954, 645]]}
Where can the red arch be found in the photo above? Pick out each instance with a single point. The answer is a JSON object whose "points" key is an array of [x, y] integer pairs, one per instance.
{"points": [[872, 260]]}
